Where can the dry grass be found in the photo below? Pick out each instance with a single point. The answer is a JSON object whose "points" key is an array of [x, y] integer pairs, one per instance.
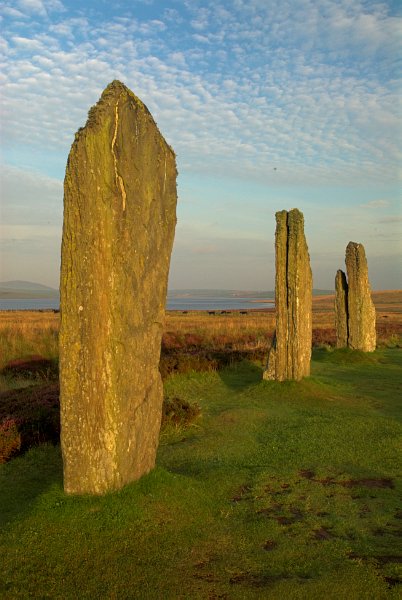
{"points": [[24, 333], [256, 327], [28, 333], [218, 331]]}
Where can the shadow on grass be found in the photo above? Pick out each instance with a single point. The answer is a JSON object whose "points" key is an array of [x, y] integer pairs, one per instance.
{"points": [[24, 478], [242, 375], [345, 356]]}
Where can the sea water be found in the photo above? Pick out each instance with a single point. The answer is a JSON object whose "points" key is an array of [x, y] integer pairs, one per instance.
{"points": [[208, 303]]}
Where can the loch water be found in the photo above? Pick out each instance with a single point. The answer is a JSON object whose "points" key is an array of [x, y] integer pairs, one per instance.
{"points": [[173, 303]]}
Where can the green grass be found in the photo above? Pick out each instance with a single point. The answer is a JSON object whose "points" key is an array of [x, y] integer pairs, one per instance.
{"points": [[279, 491]]}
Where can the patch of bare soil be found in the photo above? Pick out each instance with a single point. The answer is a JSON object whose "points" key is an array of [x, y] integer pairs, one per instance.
{"points": [[254, 580], [288, 517], [307, 474], [369, 483], [322, 533], [241, 493], [380, 483], [270, 545]]}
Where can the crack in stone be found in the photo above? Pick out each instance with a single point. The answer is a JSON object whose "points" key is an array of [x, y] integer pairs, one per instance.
{"points": [[164, 179], [119, 179]]}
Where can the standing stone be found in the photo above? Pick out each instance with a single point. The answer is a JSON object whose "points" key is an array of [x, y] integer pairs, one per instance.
{"points": [[290, 355], [361, 310], [341, 309], [119, 221]]}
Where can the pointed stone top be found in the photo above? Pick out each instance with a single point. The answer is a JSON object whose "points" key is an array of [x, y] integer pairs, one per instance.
{"points": [[293, 211], [354, 249], [110, 95], [115, 89], [116, 92], [294, 215], [116, 84], [354, 246]]}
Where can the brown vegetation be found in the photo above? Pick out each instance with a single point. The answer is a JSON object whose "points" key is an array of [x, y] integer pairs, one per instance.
{"points": [[30, 416], [28, 333]]}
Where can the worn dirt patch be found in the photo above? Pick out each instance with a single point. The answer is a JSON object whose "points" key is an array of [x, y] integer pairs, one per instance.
{"points": [[270, 545], [393, 581], [385, 559], [272, 512], [382, 482], [241, 493], [368, 482], [255, 580], [322, 534], [364, 511], [306, 473], [382, 559], [379, 532], [285, 520]]}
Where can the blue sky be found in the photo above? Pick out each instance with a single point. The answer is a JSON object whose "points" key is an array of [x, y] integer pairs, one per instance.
{"points": [[268, 106]]}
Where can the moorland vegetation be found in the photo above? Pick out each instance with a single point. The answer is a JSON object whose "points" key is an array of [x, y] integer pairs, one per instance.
{"points": [[261, 490]]}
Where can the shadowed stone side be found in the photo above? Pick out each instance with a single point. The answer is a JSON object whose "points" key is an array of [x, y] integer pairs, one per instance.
{"points": [[361, 310], [119, 220], [290, 355], [341, 309]]}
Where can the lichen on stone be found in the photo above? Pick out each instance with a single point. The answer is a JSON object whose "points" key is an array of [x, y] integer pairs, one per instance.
{"points": [[119, 213], [290, 355]]}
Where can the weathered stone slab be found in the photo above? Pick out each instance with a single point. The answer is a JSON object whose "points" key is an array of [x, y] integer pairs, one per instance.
{"points": [[341, 309], [361, 310], [119, 220], [290, 354]]}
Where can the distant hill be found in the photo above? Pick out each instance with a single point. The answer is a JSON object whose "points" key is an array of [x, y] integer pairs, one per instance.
{"points": [[26, 289]]}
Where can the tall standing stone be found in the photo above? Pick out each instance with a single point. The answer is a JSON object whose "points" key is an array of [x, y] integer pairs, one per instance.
{"points": [[119, 221], [341, 309], [361, 310], [290, 355]]}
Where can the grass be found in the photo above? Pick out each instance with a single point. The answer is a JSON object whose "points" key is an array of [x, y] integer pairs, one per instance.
{"points": [[278, 491]]}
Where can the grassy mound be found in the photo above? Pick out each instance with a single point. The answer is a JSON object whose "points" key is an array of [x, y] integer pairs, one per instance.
{"points": [[346, 356]]}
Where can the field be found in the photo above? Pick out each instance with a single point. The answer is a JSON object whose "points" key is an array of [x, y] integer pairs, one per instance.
{"points": [[275, 491], [25, 333]]}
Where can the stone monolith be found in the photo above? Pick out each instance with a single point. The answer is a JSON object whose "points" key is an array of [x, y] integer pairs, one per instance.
{"points": [[361, 310], [341, 309], [119, 221], [290, 355]]}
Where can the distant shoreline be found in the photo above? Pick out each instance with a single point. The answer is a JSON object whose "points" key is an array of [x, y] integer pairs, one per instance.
{"points": [[389, 299], [211, 304]]}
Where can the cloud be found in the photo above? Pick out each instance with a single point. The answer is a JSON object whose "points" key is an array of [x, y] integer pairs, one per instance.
{"points": [[308, 115], [296, 98], [391, 220], [40, 7], [376, 204], [198, 261], [9, 11], [30, 197], [32, 7], [207, 249]]}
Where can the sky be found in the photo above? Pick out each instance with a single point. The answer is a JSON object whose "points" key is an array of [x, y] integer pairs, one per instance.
{"points": [[268, 105]]}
